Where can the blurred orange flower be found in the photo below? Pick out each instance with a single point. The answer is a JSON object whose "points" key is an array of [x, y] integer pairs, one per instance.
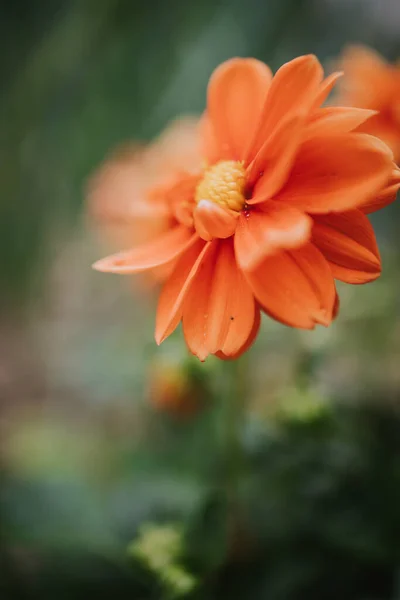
{"points": [[370, 82], [122, 194], [275, 214], [173, 390]]}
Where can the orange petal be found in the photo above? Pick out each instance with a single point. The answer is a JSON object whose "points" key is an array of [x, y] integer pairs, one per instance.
{"points": [[325, 89], [386, 196], [348, 242], [164, 249], [249, 342], [311, 262], [218, 312], [236, 94], [337, 173], [169, 309], [368, 78], [214, 221], [366, 57], [273, 162], [211, 149], [295, 287], [382, 127], [180, 197], [337, 119], [261, 233], [292, 92], [336, 307]]}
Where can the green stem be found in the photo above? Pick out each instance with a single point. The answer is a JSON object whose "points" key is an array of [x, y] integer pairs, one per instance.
{"points": [[236, 397]]}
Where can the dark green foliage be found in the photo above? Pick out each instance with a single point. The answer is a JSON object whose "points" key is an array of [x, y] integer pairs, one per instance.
{"points": [[318, 517]]}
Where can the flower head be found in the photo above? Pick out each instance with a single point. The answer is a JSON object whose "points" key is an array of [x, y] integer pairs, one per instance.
{"points": [[274, 216], [374, 84]]}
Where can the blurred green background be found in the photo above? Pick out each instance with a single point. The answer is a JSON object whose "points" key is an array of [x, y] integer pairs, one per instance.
{"points": [[108, 486]]}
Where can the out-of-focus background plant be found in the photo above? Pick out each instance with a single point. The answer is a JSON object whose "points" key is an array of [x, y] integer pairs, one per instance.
{"points": [[114, 453]]}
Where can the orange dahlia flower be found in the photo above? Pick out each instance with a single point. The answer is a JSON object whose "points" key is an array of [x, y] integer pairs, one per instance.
{"points": [[123, 196], [275, 214], [372, 83]]}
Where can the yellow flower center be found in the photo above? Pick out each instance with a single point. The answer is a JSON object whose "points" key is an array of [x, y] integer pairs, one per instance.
{"points": [[224, 183]]}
